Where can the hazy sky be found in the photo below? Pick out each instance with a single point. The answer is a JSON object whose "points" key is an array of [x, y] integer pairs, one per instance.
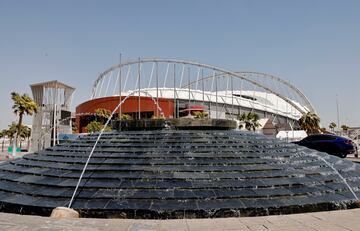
{"points": [[313, 44]]}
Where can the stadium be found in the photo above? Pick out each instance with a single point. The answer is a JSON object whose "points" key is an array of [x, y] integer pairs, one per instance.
{"points": [[173, 88]]}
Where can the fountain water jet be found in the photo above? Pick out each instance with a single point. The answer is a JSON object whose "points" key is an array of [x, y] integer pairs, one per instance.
{"points": [[100, 134], [336, 172]]}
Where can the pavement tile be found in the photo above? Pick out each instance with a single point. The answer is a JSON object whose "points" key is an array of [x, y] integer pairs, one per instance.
{"points": [[284, 220], [257, 227], [117, 224], [229, 224], [322, 226], [354, 211], [142, 227], [201, 224], [331, 215], [323, 221], [350, 224], [254, 221], [290, 228], [173, 225], [304, 217]]}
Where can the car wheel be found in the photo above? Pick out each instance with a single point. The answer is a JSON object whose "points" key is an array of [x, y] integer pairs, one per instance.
{"points": [[342, 155]]}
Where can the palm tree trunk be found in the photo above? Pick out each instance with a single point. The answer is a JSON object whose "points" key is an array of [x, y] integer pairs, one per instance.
{"points": [[19, 128]]}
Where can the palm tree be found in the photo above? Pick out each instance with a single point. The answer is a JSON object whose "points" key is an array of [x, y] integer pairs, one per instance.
{"points": [[103, 113], [201, 114], [10, 132], [310, 122], [125, 117], [96, 126], [249, 121], [2, 135], [23, 104], [345, 128], [332, 126], [323, 130], [74, 127], [25, 132], [93, 126]]}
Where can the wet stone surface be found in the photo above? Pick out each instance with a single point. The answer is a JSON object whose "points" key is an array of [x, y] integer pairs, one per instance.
{"points": [[166, 174]]}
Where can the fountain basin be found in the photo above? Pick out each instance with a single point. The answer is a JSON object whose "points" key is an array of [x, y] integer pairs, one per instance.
{"points": [[162, 174]]}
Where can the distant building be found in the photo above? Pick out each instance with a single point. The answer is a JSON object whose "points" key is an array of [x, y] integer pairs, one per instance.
{"points": [[53, 116]]}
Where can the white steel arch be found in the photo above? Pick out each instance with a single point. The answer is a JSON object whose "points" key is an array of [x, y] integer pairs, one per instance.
{"points": [[288, 84], [216, 72], [248, 74]]}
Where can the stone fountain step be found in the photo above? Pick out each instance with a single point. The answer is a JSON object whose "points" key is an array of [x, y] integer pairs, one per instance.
{"points": [[169, 175], [176, 182], [37, 190]]}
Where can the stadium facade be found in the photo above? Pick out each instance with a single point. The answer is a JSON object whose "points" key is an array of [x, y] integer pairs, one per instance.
{"points": [[173, 88]]}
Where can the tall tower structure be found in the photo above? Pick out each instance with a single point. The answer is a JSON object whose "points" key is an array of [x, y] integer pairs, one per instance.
{"points": [[54, 116]]}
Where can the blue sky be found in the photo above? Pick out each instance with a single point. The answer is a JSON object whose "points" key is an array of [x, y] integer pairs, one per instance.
{"points": [[313, 44]]}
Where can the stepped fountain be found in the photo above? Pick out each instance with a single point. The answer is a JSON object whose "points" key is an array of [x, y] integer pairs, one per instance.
{"points": [[172, 172]]}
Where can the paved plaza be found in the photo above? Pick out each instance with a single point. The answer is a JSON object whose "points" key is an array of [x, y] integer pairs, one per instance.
{"points": [[344, 220]]}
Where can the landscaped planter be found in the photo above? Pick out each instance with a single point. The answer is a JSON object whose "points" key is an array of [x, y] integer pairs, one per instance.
{"points": [[136, 125], [203, 124]]}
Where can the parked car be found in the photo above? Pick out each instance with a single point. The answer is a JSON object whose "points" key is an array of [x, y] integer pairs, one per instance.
{"points": [[332, 144]]}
